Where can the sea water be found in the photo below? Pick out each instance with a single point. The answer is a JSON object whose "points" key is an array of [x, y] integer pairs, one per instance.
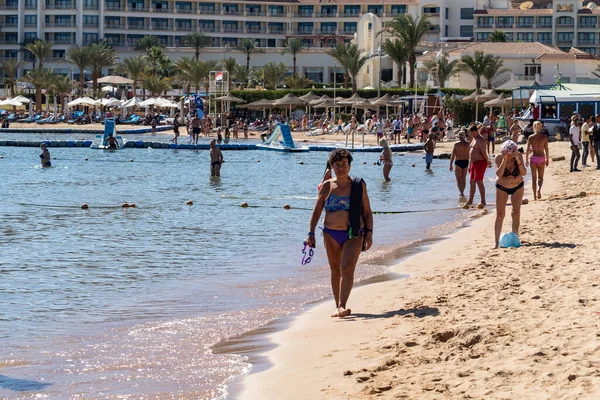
{"points": [[120, 303]]}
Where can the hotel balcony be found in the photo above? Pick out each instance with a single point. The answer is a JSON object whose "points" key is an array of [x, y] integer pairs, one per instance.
{"points": [[30, 6], [181, 10], [564, 41], [90, 6], [524, 25], [8, 41], [485, 26], [157, 27], [256, 30], [232, 12], [255, 14], [505, 26], [325, 15], [136, 27], [347, 32], [184, 28], [8, 6], [30, 24], [232, 30], [277, 14], [60, 6], [565, 25], [326, 31], [90, 24], [60, 25], [210, 29], [10, 25], [62, 41], [132, 9], [303, 32], [544, 26], [208, 11], [588, 26], [350, 15], [304, 15], [276, 31], [586, 41]]}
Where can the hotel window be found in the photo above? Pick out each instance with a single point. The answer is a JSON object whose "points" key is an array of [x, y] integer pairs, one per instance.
{"points": [[375, 9], [483, 36], [271, 43], [590, 50], [314, 73], [431, 10], [586, 38], [160, 23], [350, 27], [329, 10], [229, 8], [58, 54], [398, 9], [306, 11], [12, 20], [544, 38], [207, 7], [466, 13], [253, 9], [62, 20], [252, 26], [352, 10], [90, 37], [31, 3], [533, 69], [183, 6], [90, 20], [307, 43], [112, 38], [524, 22], [206, 25], [564, 21], [305, 27], [328, 27], [510, 37], [63, 38], [446, 31], [27, 35], [525, 37], [447, 13], [11, 37], [112, 22], [160, 5], [505, 22], [184, 23], [230, 26], [276, 27], [136, 5], [485, 22], [277, 10], [90, 4], [564, 37], [544, 22], [588, 22], [232, 42], [11, 53], [135, 22], [466, 31]]}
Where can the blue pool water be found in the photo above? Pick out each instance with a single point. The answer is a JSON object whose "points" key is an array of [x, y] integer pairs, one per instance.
{"points": [[117, 303]]}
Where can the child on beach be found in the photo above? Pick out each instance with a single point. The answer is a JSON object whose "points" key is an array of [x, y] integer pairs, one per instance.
{"points": [[153, 125], [227, 135], [429, 147]]}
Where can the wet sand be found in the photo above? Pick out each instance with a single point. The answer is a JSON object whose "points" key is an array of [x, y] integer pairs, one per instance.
{"points": [[469, 322]]}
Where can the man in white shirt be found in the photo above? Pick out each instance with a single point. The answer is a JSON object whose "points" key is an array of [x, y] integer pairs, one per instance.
{"points": [[575, 138]]}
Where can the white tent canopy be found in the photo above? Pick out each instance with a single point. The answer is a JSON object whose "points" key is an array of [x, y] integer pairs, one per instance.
{"points": [[10, 102], [133, 102], [22, 99], [565, 95], [83, 101], [158, 102], [111, 102]]}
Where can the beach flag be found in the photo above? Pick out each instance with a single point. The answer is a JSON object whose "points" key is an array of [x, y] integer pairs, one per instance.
{"points": [[219, 76]]}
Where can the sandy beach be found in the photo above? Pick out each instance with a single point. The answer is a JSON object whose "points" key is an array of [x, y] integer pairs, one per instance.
{"points": [[469, 321]]}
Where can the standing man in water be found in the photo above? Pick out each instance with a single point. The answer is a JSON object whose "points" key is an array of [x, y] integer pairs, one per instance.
{"points": [[479, 161], [459, 162], [45, 156], [216, 159], [196, 125]]}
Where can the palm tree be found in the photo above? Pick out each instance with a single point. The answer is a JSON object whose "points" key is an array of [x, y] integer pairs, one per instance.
{"points": [[80, 57], [494, 68], [147, 42], [101, 56], [156, 58], [399, 53], [62, 86], [197, 40], [40, 50], [229, 64], [134, 67], [410, 30], [156, 85], [40, 79], [241, 75], [442, 68], [497, 36], [475, 65], [194, 73], [298, 82], [273, 74], [248, 46], [11, 68], [350, 59], [293, 47]]}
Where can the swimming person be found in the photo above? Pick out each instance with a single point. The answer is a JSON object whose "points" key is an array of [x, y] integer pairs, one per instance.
{"points": [[478, 162], [429, 147], [386, 157], [509, 182], [348, 226], [460, 160], [111, 142], [216, 159], [45, 156], [537, 144]]}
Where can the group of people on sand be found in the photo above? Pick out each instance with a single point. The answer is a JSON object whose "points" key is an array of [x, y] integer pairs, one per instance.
{"points": [[584, 133]]}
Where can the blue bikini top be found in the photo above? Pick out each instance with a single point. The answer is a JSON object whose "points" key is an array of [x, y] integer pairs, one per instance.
{"points": [[337, 203]]}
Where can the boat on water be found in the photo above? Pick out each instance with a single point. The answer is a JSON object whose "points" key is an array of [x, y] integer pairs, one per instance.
{"points": [[287, 144], [110, 129], [555, 105]]}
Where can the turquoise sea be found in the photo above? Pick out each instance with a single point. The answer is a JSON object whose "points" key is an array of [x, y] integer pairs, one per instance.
{"points": [[121, 303]]}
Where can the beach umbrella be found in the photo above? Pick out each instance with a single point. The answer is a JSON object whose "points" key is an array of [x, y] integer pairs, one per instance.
{"points": [[152, 101], [111, 102], [114, 80], [133, 102], [261, 104], [83, 101], [11, 102], [497, 102], [289, 100], [384, 100], [319, 100], [478, 96], [228, 100], [310, 96], [352, 100], [22, 99], [108, 88]]}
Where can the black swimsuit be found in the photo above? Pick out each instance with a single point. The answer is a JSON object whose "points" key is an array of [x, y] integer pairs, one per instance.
{"points": [[515, 172], [461, 163]]}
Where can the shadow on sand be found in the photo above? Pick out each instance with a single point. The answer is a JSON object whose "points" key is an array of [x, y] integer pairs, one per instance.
{"points": [[554, 245], [20, 385], [420, 312]]}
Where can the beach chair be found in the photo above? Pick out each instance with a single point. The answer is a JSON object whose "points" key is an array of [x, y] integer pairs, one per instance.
{"points": [[32, 119], [12, 117], [58, 120], [75, 117], [128, 120], [45, 120]]}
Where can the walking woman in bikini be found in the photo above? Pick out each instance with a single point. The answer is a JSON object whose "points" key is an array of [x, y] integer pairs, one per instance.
{"points": [[343, 242], [537, 144], [509, 182]]}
